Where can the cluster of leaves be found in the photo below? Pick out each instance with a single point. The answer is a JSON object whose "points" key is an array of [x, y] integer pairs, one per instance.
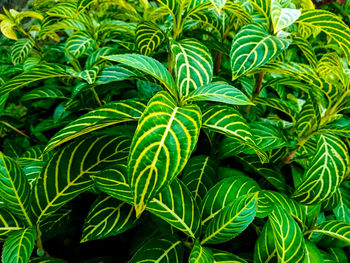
{"points": [[218, 127]]}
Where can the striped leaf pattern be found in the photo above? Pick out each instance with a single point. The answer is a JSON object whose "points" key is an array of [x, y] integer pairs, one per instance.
{"points": [[267, 136], [326, 171], [8, 223], [193, 65], [253, 47], [75, 161], [148, 37], [278, 104], [306, 47], [200, 254], [199, 175], [282, 17], [335, 229], [19, 245], [79, 44], [224, 193], [116, 73], [237, 9], [307, 117], [265, 249], [107, 115], [312, 253], [174, 204], [44, 93], [14, 188], [43, 71], [232, 220], [288, 238], [263, 6], [20, 50], [329, 23], [164, 249], [149, 66], [219, 92], [224, 257], [107, 217], [162, 144]]}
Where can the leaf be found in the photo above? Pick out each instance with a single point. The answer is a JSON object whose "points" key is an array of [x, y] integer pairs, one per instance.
{"points": [[83, 4], [312, 253], [43, 71], [193, 65], [232, 220], [252, 48], [306, 47], [265, 249], [342, 210], [14, 188], [336, 229], [107, 217], [44, 93], [8, 223], [148, 37], [79, 43], [199, 175], [47, 260], [55, 223], [165, 249], [263, 6], [218, 4], [109, 114], [224, 193], [330, 24], [19, 245], [162, 144], [6, 27], [149, 66], [278, 104], [224, 257], [174, 204], [200, 254], [219, 92], [289, 240], [267, 136], [282, 17], [307, 118], [238, 10], [326, 171], [20, 50], [75, 161]]}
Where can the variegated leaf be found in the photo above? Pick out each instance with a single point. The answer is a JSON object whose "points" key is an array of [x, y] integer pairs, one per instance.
{"points": [[148, 37], [20, 50], [200, 254], [162, 144], [336, 229], [282, 17], [265, 249], [8, 223], [79, 44]]}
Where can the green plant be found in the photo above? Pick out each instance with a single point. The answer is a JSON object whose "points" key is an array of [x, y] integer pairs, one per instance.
{"points": [[204, 131]]}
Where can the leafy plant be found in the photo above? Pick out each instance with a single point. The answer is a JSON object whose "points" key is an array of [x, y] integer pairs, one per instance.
{"points": [[175, 131]]}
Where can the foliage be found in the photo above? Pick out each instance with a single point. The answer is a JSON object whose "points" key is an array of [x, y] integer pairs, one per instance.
{"points": [[175, 131]]}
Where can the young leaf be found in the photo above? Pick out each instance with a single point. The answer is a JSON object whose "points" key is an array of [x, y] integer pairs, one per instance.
{"points": [[289, 240], [219, 92], [149, 66], [107, 217], [232, 220], [165, 249], [74, 162], [250, 44], [162, 144], [19, 245], [200, 254], [282, 17], [326, 171], [14, 188], [193, 65], [148, 37]]}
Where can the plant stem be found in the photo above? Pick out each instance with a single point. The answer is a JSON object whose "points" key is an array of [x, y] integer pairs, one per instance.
{"points": [[219, 53], [15, 129], [39, 242], [36, 44], [256, 91], [96, 97]]}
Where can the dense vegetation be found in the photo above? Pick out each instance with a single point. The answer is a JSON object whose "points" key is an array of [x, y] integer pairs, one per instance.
{"points": [[175, 131]]}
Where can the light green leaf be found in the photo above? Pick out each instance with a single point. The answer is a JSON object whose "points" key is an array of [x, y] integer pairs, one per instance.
{"points": [[20, 50], [200, 254], [329, 23], [289, 240], [232, 220], [148, 37], [342, 211], [8, 223], [19, 245], [14, 188], [326, 171], [107, 217], [219, 92], [265, 249], [282, 17], [109, 114], [238, 10], [224, 193], [75, 162], [193, 65], [335, 229], [164, 249], [312, 253], [162, 144], [306, 118], [306, 47], [149, 66], [253, 47], [79, 44], [263, 6]]}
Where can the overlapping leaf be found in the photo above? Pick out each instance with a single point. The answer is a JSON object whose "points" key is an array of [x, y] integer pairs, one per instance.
{"points": [[326, 171], [67, 173], [200, 254], [161, 146], [265, 249], [79, 44], [8, 223], [282, 17], [148, 37], [335, 229]]}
